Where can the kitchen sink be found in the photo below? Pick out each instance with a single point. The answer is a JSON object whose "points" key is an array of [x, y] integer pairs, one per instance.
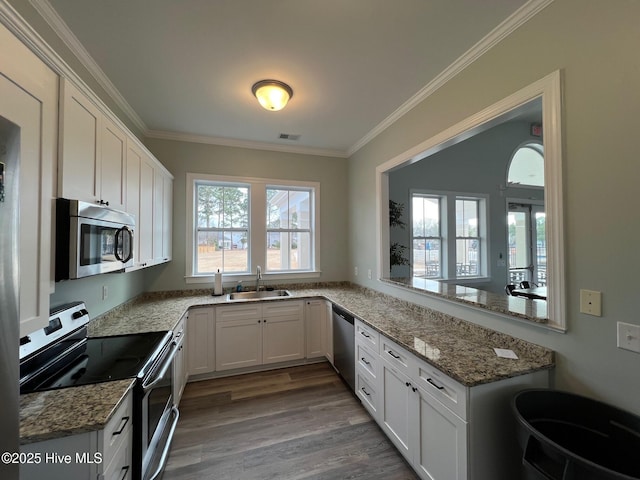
{"points": [[236, 296]]}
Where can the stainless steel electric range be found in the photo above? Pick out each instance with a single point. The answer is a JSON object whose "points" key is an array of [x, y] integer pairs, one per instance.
{"points": [[62, 356]]}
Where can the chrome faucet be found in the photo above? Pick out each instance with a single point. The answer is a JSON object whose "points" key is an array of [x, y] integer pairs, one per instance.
{"points": [[258, 277]]}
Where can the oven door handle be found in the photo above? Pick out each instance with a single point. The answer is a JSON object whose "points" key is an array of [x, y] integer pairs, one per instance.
{"points": [[167, 362], [167, 446]]}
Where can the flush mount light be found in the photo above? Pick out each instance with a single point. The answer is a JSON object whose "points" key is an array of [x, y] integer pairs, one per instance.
{"points": [[273, 95]]}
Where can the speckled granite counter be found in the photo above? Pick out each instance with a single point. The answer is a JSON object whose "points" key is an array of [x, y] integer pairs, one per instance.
{"points": [[462, 350], [69, 411]]}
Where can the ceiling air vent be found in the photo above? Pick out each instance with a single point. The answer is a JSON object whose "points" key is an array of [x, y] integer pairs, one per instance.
{"points": [[289, 136]]}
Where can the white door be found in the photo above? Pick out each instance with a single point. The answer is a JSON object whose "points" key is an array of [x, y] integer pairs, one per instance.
{"points": [[282, 339]]}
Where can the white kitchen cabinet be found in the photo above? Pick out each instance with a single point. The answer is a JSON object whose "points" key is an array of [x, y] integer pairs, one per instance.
{"points": [[149, 196], [113, 147], [315, 320], [180, 373], [28, 138], [145, 220], [238, 336], [445, 430], [439, 437], [91, 163], [201, 336], [328, 311], [101, 454], [396, 407], [254, 334], [282, 331]]}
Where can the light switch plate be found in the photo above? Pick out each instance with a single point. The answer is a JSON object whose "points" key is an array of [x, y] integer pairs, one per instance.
{"points": [[591, 302], [629, 337]]}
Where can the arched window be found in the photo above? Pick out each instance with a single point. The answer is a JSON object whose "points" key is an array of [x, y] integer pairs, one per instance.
{"points": [[527, 166]]}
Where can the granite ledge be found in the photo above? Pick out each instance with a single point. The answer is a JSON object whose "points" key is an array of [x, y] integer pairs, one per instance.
{"points": [[69, 411]]}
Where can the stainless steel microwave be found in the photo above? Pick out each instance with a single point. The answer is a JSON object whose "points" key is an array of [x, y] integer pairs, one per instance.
{"points": [[91, 239]]}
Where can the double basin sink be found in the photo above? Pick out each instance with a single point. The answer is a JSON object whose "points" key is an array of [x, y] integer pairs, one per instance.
{"points": [[253, 295]]}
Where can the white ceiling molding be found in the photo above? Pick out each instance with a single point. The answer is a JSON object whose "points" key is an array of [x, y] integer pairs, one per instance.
{"points": [[518, 18], [232, 142], [58, 25]]}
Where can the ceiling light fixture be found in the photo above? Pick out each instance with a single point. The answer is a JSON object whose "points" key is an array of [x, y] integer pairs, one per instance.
{"points": [[273, 95]]}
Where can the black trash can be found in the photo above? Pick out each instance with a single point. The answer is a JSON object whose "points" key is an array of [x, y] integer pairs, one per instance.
{"points": [[565, 436]]}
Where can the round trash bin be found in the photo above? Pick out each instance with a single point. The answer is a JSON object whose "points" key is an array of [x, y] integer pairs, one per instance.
{"points": [[565, 436]]}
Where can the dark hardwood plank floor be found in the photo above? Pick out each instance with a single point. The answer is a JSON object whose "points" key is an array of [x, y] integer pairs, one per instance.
{"points": [[287, 424]]}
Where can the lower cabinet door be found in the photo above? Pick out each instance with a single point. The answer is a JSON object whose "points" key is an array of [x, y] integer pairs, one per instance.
{"points": [[395, 408], [238, 344], [440, 440], [282, 339]]}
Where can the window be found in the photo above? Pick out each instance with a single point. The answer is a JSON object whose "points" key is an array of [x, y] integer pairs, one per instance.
{"points": [[468, 241], [289, 240], [235, 224], [448, 233], [222, 228], [426, 241], [526, 167]]}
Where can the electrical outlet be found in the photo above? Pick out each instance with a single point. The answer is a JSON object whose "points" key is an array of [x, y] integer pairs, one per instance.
{"points": [[355, 271], [105, 292], [369, 274], [591, 302], [629, 337]]}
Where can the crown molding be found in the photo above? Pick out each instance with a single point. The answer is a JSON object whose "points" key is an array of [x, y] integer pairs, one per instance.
{"points": [[513, 22], [24, 31], [48, 13], [232, 142]]}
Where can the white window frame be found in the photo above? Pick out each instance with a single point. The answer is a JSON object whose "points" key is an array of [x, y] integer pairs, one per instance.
{"points": [[257, 228], [448, 233]]}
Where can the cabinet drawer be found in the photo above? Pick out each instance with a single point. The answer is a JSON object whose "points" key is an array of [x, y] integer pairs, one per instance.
{"points": [[368, 336], [395, 355], [238, 312], [450, 393], [118, 430], [367, 362], [120, 467], [367, 394], [282, 309]]}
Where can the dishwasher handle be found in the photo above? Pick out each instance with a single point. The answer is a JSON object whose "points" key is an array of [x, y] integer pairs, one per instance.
{"points": [[344, 315]]}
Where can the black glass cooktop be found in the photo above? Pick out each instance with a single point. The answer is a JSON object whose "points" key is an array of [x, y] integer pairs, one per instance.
{"points": [[95, 360]]}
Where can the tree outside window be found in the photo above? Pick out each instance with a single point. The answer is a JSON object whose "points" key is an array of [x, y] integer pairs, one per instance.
{"points": [[222, 228]]}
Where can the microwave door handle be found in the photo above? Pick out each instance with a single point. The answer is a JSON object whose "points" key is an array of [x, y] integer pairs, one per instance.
{"points": [[119, 241]]}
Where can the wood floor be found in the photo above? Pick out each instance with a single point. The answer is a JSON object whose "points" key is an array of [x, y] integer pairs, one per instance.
{"points": [[293, 423]]}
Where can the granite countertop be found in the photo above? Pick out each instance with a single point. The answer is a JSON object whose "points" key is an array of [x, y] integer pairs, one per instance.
{"points": [[460, 349], [69, 411]]}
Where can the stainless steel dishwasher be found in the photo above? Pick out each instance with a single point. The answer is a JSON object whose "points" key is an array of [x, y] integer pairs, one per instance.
{"points": [[344, 346]]}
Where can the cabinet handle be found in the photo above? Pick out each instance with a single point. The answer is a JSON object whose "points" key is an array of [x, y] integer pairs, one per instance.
{"points": [[414, 389], [439, 387], [125, 471], [125, 420], [397, 357], [365, 392], [365, 361], [365, 334], [407, 384], [259, 321]]}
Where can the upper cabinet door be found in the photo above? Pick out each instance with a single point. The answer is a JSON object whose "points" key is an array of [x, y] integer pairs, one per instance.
{"points": [[92, 152], [112, 165], [79, 149], [28, 112]]}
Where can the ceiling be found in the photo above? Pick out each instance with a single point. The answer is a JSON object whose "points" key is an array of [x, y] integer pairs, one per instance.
{"points": [[184, 69]]}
